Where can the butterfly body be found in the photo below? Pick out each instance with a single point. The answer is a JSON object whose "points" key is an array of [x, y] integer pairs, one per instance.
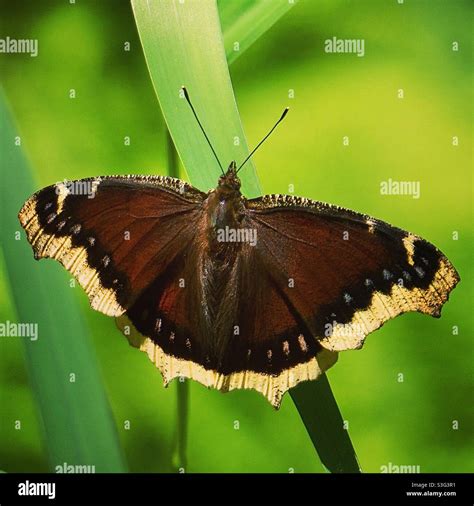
{"points": [[234, 292], [214, 265]]}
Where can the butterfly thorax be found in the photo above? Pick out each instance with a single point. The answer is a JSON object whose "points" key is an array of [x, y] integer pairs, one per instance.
{"points": [[228, 185], [225, 211]]}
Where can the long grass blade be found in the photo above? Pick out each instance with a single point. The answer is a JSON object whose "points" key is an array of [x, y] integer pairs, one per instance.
{"points": [[78, 424], [245, 21], [183, 45], [315, 402], [182, 42]]}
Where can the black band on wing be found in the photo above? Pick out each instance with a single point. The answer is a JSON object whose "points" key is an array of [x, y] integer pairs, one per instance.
{"points": [[60, 223]]}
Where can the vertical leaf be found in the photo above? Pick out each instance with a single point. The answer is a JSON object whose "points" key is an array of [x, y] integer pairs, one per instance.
{"points": [[323, 421], [245, 21], [183, 44], [314, 400], [77, 420]]}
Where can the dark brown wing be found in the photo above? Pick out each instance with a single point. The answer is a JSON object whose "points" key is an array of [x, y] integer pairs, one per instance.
{"points": [[114, 234], [317, 281], [343, 273], [264, 346]]}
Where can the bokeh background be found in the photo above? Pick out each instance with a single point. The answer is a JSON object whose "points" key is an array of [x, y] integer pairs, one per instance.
{"points": [[408, 46]]}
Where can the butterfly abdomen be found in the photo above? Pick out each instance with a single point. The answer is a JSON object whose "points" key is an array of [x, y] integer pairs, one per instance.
{"points": [[218, 268]]}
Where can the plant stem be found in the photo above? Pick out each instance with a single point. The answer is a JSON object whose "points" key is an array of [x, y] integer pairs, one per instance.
{"points": [[178, 458]]}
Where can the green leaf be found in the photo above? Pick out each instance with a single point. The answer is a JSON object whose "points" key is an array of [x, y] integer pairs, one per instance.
{"points": [[183, 45], [244, 21], [77, 419], [323, 421], [315, 402]]}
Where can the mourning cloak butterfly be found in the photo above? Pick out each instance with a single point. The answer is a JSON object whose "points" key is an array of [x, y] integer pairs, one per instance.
{"points": [[231, 292]]}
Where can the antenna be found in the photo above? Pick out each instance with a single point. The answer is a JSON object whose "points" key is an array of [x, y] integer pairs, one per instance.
{"points": [[285, 112], [186, 95]]}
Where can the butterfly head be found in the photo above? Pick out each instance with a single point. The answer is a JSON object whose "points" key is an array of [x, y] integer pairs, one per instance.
{"points": [[229, 183]]}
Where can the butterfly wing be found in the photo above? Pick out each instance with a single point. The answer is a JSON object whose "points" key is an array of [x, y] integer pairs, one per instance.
{"points": [[114, 234], [263, 345], [317, 280], [345, 273]]}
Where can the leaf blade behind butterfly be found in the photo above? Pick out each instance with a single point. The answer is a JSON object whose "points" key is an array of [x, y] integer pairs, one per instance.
{"points": [[320, 413], [182, 43], [243, 23], [314, 401]]}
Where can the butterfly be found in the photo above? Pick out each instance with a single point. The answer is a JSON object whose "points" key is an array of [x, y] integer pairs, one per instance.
{"points": [[233, 292]]}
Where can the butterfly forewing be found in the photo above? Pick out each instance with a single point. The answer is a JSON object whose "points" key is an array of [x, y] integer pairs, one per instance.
{"points": [[346, 273], [114, 234]]}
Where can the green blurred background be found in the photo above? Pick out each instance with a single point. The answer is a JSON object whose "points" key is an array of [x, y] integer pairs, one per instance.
{"points": [[407, 46]]}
